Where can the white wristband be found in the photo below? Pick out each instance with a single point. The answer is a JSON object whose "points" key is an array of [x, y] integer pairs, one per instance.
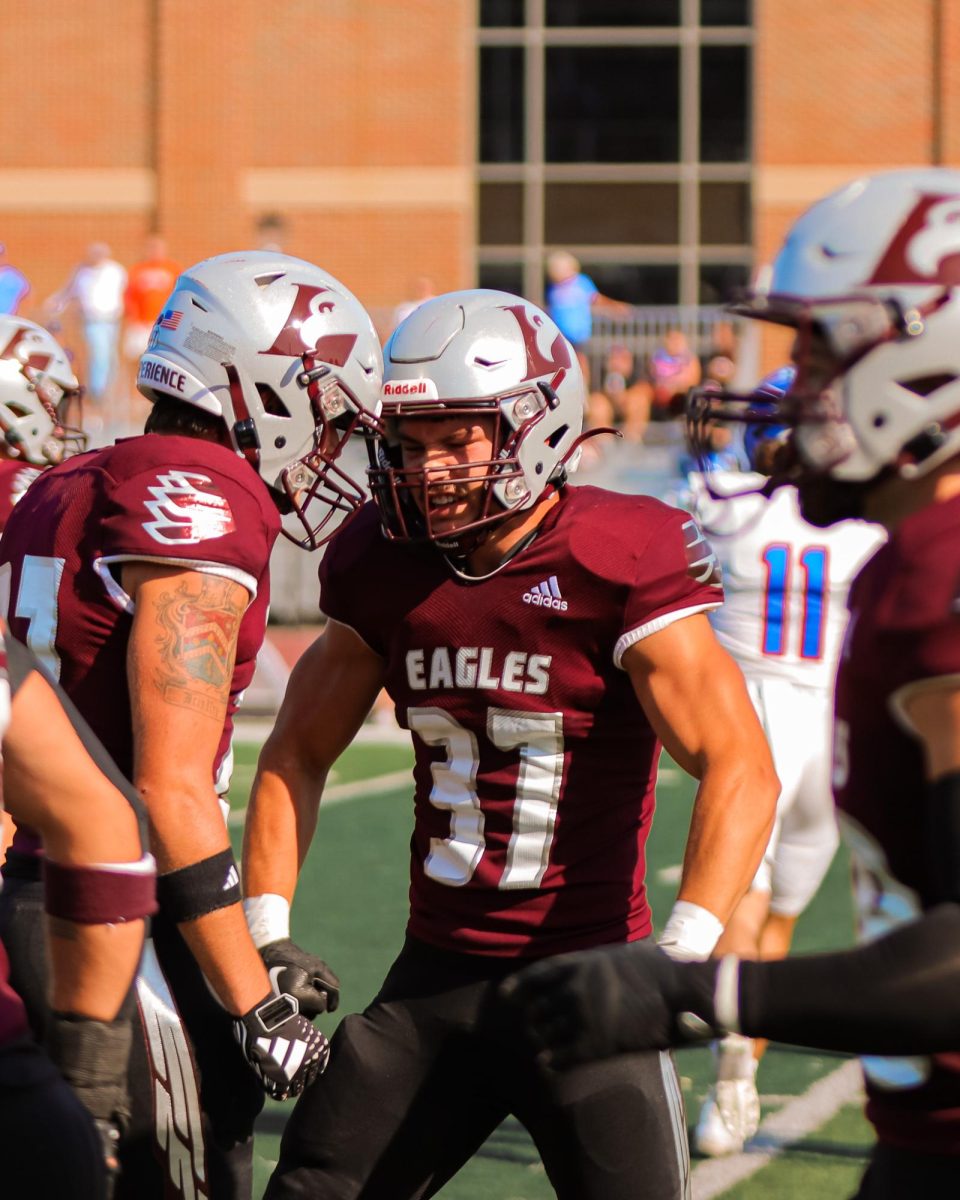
{"points": [[726, 994], [268, 918], [691, 932]]}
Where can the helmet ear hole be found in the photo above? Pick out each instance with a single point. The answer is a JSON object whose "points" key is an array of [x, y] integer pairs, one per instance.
{"points": [[271, 402]]}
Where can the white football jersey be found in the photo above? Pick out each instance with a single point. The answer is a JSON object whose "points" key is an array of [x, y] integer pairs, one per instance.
{"points": [[785, 582]]}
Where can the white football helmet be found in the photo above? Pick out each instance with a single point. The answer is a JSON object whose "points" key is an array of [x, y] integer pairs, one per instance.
{"points": [[477, 353], [37, 386], [289, 358], [870, 278]]}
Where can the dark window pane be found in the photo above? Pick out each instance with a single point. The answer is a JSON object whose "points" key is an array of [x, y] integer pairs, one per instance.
{"points": [[503, 277], [613, 12], [724, 213], [637, 283], [501, 104], [611, 213], [501, 12], [612, 104], [720, 282], [501, 213], [724, 103], [725, 12]]}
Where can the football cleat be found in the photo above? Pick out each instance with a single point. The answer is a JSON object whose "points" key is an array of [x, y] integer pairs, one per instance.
{"points": [[731, 1112]]}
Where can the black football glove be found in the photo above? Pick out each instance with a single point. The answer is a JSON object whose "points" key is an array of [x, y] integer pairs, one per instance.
{"points": [[301, 975], [282, 1047], [93, 1057], [613, 1000]]}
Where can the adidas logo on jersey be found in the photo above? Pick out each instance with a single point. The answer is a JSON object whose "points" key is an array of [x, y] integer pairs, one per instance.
{"points": [[546, 595]]}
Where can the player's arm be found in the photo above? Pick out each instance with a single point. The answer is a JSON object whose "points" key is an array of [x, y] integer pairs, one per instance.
{"points": [[99, 882], [180, 659], [896, 995], [330, 692], [696, 700]]}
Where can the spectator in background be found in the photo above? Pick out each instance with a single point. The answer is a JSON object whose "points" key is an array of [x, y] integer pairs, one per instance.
{"points": [[272, 231], [572, 298], [423, 288], [149, 284], [96, 288], [624, 395], [674, 370], [13, 285]]}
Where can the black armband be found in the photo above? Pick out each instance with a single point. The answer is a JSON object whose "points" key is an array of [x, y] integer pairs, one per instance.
{"points": [[201, 888], [941, 840], [896, 995]]}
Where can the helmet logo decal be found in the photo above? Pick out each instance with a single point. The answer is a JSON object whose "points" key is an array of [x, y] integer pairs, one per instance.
{"points": [[183, 512], [39, 361], [538, 364], [304, 324], [926, 247]]}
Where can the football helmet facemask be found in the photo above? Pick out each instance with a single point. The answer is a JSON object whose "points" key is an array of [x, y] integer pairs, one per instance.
{"points": [[870, 279], [477, 354], [289, 358], [37, 388]]}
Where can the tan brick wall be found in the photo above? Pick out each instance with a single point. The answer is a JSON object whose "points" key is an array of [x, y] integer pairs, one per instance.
{"points": [[845, 87], [200, 96]]}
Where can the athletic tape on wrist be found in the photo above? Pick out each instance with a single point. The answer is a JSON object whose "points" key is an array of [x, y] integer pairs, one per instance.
{"points": [[268, 918], [691, 932], [101, 894], [200, 888]]}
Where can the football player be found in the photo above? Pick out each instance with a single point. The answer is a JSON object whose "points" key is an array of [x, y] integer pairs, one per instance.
{"points": [[99, 885], [37, 389], [869, 279], [139, 574], [782, 620], [539, 642]]}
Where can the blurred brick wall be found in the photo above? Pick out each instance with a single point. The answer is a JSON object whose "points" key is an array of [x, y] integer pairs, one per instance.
{"points": [[352, 119], [842, 88]]}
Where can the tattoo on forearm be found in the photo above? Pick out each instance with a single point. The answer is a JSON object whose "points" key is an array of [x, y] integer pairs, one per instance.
{"points": [[199, 645]]}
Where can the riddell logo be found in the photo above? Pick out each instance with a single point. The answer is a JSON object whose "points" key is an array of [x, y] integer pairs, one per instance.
{"points": [[546, 595], [410, 388]]}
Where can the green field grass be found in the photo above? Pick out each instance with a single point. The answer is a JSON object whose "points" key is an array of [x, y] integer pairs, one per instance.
{"points": [[351, 908]]}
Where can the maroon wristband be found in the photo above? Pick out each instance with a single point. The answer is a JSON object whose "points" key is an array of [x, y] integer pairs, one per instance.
{"points": [[102, 895]]}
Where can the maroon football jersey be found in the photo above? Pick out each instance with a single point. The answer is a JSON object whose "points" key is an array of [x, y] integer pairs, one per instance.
{"points": [[15, 478], [154, 498], [904, 628], [535, 764]]}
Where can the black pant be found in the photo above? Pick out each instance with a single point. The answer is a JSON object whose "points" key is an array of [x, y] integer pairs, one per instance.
{"points": [[895, 1174], [169, 1134], [418, 1081], [49, 1146]]}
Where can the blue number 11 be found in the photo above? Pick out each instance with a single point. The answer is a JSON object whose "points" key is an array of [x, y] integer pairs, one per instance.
{"points": [[813, 565]]}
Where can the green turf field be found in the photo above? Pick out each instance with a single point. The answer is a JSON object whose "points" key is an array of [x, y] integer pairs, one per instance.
{"points": [[351, 908]]}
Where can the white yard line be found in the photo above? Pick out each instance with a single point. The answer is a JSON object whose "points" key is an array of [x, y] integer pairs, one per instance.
{"points": [[376, 785], [790, 1124]]}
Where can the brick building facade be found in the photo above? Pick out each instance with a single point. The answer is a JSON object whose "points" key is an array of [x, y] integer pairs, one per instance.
{"points": [[357, 121]]}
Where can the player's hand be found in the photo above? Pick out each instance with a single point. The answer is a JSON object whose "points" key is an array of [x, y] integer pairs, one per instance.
{"points": [[302, 975], [282, 1046], [613, 1000]]}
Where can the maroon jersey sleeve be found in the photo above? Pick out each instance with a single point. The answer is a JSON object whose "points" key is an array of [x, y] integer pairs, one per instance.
{"points": [[676, 573], [189, 515]]}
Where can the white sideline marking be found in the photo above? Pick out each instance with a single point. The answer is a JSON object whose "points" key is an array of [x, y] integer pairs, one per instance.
{"points": [[375, 786], [805, 1113]]}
